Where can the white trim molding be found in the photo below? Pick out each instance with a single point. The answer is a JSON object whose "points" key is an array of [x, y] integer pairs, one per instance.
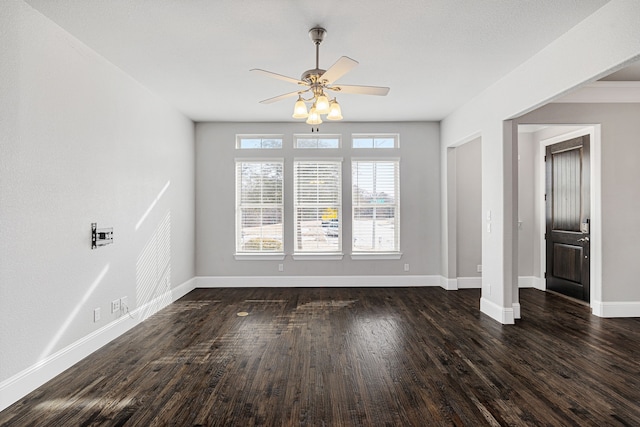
{"points": [[448, 284], [616, 308], [314, 281], [528, 282], [24, 382], [504, 315], [516, 310], [469, 282]]}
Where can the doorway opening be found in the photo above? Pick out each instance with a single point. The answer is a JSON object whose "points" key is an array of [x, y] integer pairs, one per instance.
{"points": [[541, 136]]}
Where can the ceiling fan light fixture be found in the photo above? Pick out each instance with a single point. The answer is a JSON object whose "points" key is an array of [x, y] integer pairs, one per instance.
{"points": [[300, 109], [315, 81], [314, 117], [322, 104], [335, 113]]}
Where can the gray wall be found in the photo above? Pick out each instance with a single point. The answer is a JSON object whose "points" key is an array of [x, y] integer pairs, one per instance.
{"points": [[419, 200], [620, 182], [82, 142], [469, 208]]}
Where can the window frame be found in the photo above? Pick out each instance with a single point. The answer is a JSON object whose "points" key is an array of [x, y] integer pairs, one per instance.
{"points": [[377, 254], [297, 253], [259, 254], [262, 138], [374, 136], [317, 136]]}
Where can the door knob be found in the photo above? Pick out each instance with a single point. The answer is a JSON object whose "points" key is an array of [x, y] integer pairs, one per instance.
{"points": [[584, 239]]}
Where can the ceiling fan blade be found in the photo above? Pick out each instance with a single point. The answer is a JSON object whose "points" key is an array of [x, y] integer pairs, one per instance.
{"points": [[339, 69], [279, 76], [361, 90], [278, 98]]}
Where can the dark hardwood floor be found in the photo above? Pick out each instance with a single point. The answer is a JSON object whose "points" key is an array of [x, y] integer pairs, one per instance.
{"points": [[351, 357]]}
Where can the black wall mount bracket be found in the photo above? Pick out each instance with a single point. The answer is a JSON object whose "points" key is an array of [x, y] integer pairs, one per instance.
{"points": [[100, 236]]}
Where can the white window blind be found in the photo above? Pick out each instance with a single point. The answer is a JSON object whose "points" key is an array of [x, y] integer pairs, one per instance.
{"points": [[376, 206], [259, 206], [318, 206]]}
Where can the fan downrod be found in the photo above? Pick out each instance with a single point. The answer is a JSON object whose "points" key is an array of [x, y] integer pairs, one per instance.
{"points": [[312, 76]]}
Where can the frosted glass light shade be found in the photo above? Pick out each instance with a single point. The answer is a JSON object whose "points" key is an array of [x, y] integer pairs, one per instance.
{"points": [[335, 113], [300, 109], [322, 104], [314, 117]]}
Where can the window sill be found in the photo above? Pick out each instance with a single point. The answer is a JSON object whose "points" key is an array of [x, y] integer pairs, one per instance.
{"points": [[259, 257], [376, 255], [317, 257]]}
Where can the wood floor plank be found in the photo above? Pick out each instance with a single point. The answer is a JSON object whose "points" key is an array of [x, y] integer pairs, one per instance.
{"points": [[351, 357]]}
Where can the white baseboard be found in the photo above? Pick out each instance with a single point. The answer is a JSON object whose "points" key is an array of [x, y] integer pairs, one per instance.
{"points": [[532, 282], [448, 284], [503, 315], [516, 310], [476, 282], [314, 281], [526, 281], [616, 309], [24, 382], [469, 282]]}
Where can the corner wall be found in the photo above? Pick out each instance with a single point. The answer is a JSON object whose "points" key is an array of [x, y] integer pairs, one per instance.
{"points": [[82, 142]]}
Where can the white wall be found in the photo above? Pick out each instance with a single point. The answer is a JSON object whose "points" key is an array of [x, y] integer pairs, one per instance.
{"points": [[82, 142], [419, 201], [604, 42]]}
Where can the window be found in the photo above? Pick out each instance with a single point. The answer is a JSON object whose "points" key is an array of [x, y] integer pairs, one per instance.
{"points": [[259, 208], [376, 205], [316, 141], [375, 141], [244, 142], [317, 206]]}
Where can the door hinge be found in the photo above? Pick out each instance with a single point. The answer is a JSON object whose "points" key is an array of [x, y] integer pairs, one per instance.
{"points": [[545, 274], [545, 236], [545, 197], [545, 158]]}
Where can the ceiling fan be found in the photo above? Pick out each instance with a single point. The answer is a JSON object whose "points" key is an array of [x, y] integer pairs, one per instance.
{"points": [[316, 81]]}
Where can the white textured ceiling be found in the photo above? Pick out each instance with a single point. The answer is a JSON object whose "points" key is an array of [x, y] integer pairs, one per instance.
{"points": [[435, 55]]}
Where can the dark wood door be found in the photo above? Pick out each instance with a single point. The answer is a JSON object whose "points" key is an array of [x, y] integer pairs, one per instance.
{"points": [[567, 214]]}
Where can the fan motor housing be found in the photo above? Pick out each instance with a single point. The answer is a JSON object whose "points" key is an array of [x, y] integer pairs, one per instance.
{"points": [[312, 75]]}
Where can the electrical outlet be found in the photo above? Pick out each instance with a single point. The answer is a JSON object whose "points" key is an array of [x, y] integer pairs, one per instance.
{"points": [[115, 306], [280, 267], [124, 306], [406, 267], [96, 314], [479, 268]]}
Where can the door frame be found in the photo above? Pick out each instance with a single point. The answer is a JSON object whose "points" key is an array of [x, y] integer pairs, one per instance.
{"points": [[595, 274]]}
